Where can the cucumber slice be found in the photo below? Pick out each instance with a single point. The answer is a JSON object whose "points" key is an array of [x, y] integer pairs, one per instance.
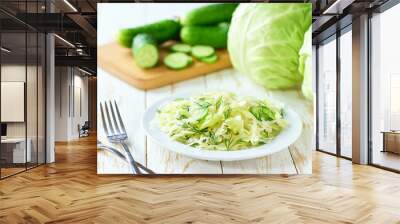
{"points": [[177, 60], [210, 59], [202, 51], [184, 48], [146, 56], [145, 51]]}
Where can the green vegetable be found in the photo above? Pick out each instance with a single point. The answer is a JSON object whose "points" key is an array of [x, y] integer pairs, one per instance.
{"points": [[202, 51], [177, 60], [214, 36], [305, 67], [161, 31], [145, 50], [262, 113], [184, 48], [210, 59], [210, 14], [221, 121], [265, 39], [190, 59]]}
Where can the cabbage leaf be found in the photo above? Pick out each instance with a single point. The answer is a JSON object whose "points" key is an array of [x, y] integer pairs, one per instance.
{"points": [[264, 41], [305, 67]]}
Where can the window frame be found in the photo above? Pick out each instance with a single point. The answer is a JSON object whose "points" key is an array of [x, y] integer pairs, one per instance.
{"points": [[334, 37], [381, 9], [29, 29]]}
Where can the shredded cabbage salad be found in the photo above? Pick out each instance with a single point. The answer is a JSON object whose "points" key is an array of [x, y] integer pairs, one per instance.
{"points": [[221, 121]]}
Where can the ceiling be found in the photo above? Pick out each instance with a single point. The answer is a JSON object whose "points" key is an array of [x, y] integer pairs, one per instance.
{"points": [[329, 16], [75, 23]]}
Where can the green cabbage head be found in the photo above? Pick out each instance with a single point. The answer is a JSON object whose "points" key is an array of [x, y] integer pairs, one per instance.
{"points": [[264, 41]]}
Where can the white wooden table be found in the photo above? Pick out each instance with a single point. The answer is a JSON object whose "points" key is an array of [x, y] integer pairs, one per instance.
{"points": [[133, 102]]}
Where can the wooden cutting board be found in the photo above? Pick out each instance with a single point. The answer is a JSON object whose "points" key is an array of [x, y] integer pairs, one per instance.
{"points": [[119, 62]]}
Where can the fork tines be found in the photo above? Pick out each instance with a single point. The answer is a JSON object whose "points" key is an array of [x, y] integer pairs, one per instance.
{"points": [[113, 124], [115, 130]]}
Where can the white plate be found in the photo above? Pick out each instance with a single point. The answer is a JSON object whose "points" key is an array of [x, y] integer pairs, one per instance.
{"points": [[287, 136]]}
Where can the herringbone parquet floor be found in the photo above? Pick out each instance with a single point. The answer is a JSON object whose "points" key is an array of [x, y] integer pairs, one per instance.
{"points": [[69, 191]]}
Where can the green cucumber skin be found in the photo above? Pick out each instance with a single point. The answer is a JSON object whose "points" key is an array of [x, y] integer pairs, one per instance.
{"points": [[214, 36], [161, 31], [140, 41], [210, 14], [210, 59]]}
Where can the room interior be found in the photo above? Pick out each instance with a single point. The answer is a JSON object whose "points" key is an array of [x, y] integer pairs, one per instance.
{"points": [[48, 78], [31, 93], [335, 83], [22, 102], [385, 87]]}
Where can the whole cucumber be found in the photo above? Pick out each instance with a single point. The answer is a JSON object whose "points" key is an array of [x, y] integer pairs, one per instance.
{"points": [[161, 31], [145, 51], [210, 14], [214, 36]]}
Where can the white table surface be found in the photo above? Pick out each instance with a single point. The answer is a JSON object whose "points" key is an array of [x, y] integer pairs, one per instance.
{"points": [[133, 102]]}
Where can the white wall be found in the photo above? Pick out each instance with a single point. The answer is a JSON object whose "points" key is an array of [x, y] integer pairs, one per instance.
{"points": [[12, 73], [12, 101], [33, 126], [61, 103], [71, 102], [80, 110]]}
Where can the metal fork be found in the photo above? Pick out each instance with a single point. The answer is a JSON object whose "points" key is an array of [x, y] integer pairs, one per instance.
{"points": [[115, 131], [119, 154]]}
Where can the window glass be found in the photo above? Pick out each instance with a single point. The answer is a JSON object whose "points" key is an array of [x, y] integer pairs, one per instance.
{"points": [[23, 90], [327, 96], [15, 150], [346, 94], [385, 89], [31, 91]]}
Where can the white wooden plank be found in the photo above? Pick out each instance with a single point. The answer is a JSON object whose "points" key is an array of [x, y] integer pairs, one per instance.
{"points": [[277, 163], [301, 150], [163, 161], [131, 103], [155, 152]]}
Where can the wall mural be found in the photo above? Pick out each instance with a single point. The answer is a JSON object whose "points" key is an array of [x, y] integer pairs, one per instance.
{"points": [[205, 88]]}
